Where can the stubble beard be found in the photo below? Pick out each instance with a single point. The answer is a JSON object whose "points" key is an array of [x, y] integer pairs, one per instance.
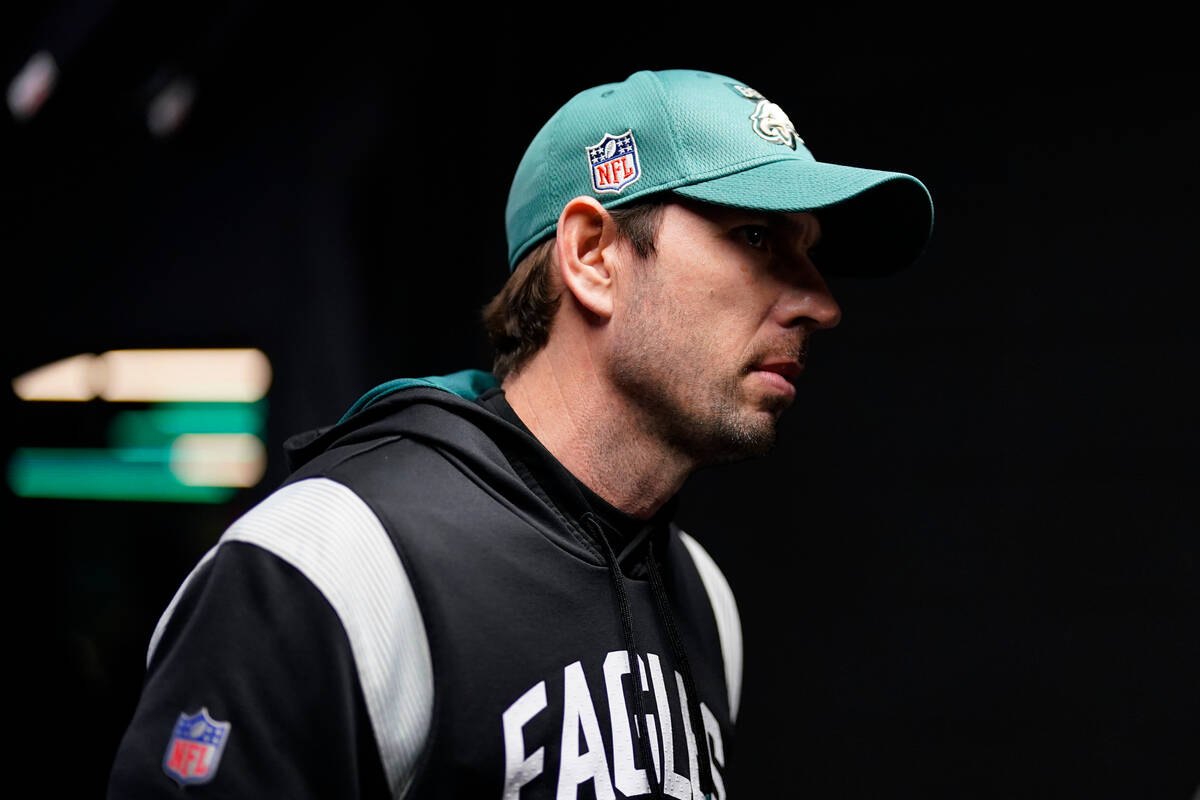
{"points": [[658, 367]]}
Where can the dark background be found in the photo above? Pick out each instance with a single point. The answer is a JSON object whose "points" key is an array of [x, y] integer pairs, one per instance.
{"points": [[969, 569]]}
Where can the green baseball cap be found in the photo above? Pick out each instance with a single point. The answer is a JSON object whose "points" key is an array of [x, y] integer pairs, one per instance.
{"points": [[714, 139]]}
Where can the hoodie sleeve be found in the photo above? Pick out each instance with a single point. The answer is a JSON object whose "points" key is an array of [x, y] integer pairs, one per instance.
{"points": [[292, 663]]}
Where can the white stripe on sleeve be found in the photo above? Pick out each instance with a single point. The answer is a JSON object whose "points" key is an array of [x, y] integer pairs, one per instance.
{"points": [[334, 539], [729, 624]]}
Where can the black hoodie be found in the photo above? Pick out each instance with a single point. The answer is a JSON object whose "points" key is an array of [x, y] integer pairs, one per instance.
{"points": [[433, 606]]}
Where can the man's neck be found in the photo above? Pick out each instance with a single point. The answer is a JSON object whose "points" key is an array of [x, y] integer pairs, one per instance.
{"points": [[595, 433]]}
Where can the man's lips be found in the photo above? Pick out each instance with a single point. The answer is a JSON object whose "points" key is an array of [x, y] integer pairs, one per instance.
{"points": [[779, 375], [787, 368]]}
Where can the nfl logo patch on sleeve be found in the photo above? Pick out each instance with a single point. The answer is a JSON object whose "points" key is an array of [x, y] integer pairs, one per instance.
{"points": [[195, 748], [614, 162]]}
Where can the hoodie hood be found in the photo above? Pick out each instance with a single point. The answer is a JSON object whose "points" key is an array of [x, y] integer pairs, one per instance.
{"points": [[466, 385], [446, 413]]}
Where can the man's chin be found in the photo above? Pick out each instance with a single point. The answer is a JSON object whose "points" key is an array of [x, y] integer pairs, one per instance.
{"points": [[753, 436]]}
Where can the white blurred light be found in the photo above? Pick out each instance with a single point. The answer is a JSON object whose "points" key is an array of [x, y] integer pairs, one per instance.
{"points": [[213, 375], [170, 107], [32, 85], [75, 378], [218, 459], [237, 376]]}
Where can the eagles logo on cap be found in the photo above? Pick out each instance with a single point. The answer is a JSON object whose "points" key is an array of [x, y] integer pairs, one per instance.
{"points": [[773, 125], [770, 122]]}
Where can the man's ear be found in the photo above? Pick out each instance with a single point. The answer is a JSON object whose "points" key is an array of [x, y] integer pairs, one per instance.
{"points": [[586, 250]]}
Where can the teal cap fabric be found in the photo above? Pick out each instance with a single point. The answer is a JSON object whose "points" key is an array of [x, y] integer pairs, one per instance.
{"points": [[714, 139]]}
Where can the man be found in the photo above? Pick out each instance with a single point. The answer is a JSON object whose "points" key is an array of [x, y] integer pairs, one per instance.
{"points": [[471, 586]]}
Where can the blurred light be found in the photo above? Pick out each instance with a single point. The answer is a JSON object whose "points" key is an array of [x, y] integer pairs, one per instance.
{"points": [[218, 459], [75, 378], [170, 107], [32, 85], [200, 445], [141, 473], [160, 425], [163, 375], [234, 375]]}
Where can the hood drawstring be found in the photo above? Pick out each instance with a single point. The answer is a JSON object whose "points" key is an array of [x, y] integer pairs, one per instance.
{"points": [[626, 612], [689, 684], [662, 603]]}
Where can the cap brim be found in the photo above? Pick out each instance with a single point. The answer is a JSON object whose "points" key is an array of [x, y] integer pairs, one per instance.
{"points": [[872, 222]]}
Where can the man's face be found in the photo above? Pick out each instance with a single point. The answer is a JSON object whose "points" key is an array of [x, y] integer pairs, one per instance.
{"points": [[711, 330]]}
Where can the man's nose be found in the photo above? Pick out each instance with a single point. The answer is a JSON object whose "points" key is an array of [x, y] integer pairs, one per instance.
{"points": [[808, 301]]}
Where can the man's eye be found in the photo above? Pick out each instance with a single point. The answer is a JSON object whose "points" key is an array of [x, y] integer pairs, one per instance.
{"points": [[755, 235]]}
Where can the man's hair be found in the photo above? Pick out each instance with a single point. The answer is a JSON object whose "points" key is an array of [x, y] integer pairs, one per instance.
{"points": [[518, 319]]}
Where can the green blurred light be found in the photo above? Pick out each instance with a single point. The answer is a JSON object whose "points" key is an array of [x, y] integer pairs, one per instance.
{"points": [[137, 473], [157, 426]]}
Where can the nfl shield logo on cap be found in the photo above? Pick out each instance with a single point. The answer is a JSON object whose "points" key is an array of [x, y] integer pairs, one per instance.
{"points": [[195, 748], [614, 162]]}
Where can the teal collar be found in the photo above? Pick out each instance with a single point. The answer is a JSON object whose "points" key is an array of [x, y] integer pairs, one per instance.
{"points": [[467, 384]]}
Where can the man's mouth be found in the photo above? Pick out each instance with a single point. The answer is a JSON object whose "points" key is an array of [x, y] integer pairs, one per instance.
{"points": [[787, 368], [779, 375]]}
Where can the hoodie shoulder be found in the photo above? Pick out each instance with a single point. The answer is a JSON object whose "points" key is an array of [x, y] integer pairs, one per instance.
{"points": [[426, 458], [376, 415]]}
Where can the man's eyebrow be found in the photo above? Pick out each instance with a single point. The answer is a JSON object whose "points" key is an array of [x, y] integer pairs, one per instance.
{"points": [[806, 230]]}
